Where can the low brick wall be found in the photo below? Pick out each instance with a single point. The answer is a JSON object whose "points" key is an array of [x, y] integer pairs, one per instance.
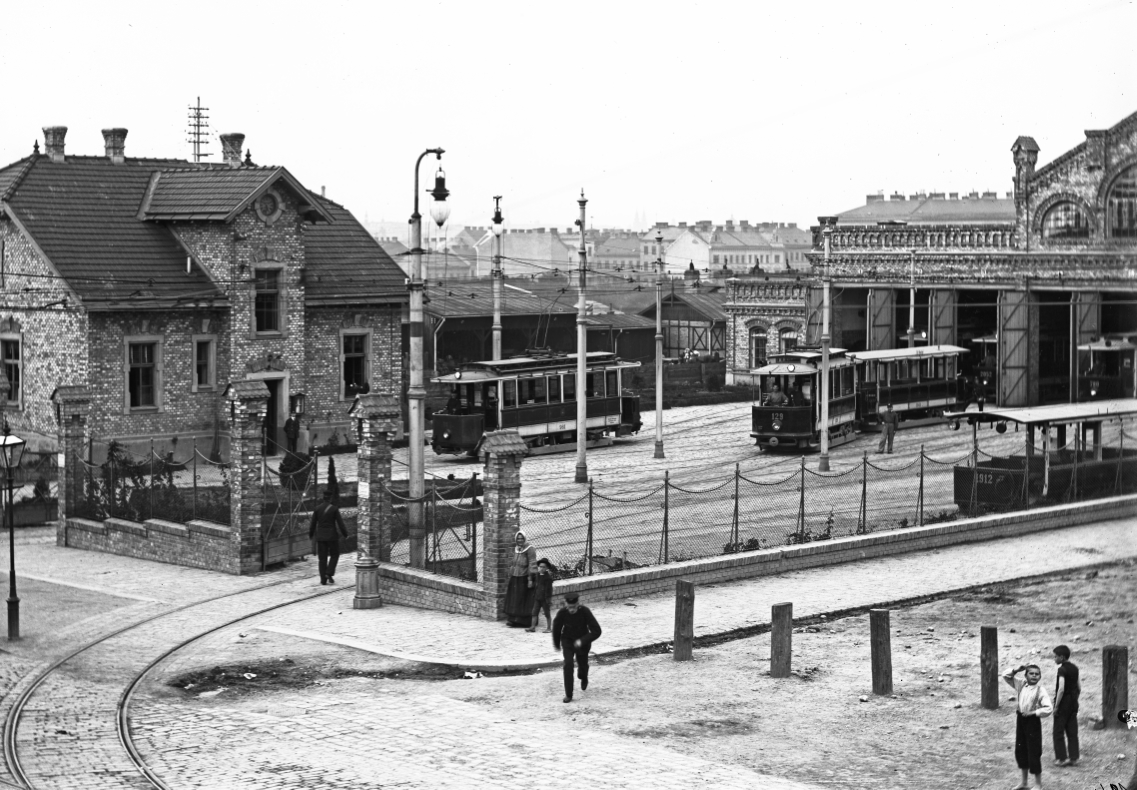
{"points": [[406, 586], [661, 578], [198, 544]]}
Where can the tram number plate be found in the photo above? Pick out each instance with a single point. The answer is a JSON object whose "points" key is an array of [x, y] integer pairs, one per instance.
{"points": [[919, 404], [990, 479], [562, 426]]}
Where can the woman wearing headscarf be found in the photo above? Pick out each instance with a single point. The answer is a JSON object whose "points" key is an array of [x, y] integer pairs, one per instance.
{"points": [[519, 594]]}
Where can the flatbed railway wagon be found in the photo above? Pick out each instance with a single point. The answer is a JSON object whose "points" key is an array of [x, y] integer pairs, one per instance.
{"points": [[921, 383], [795, 422], [1110, 370], [536, 394]]}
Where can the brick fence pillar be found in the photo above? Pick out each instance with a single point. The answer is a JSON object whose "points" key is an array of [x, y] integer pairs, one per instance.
{"points": [[247, 403], [503, 451], [72, 407], [376, 417]]}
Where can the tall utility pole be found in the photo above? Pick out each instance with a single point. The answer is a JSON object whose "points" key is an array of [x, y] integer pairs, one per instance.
{"points": [[912, 299], [659, 349], [581, 355], [827, 224], [198, 129], [416, 393], [498, 229]]}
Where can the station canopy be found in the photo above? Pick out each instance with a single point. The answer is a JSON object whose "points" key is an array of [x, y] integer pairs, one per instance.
{"points": [[1057, 414]]}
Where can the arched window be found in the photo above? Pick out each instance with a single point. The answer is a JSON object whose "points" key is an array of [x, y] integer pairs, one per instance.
{"points": [[1121, 205], [789, 339], [1065, 221], [757, 346]]}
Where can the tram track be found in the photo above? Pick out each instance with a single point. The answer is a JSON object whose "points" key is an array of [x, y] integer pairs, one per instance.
{"points": [[56, 722]]}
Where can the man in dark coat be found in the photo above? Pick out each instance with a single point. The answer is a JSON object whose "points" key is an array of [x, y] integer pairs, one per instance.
{"points": [[888, 422], [327, 528], [291, 432], [574, 631]]}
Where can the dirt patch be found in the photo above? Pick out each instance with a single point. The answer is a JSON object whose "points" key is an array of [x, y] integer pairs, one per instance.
{"points": [[286, 674]]}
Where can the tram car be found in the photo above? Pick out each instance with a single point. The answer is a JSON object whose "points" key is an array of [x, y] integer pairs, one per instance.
{"points": [[921, 384], [536, 394], [788, 415], [1109, 370], [986, 368]]}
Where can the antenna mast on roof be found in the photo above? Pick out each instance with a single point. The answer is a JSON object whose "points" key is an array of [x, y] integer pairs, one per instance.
{"points": [[198, 129]]}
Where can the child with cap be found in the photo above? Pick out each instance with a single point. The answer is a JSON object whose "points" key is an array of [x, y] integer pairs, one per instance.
{"points": [[574, 631], [543, 595]]}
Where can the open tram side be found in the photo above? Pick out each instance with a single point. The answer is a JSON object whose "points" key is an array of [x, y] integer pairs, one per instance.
{"points": [[920, 383], [788, 413], [536, 394]]}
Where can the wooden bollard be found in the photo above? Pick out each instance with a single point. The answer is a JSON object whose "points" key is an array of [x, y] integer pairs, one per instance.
{"points": [[684, 620], [1114, 684], [781, 639], [989, 667], [880, 638]]}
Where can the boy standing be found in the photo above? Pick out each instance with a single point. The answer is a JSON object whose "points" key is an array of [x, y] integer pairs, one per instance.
{"points": [[574, 631], [1033, 706], [543, 596], [1066, 708]]}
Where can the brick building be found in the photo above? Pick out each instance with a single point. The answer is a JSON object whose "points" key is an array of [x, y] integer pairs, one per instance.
{"points": [[155, 282], [1040, 272]]}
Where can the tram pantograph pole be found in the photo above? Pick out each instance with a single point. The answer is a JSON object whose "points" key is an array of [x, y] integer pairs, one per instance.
{"points": [[827, 224], [581, 353], [659, 349]]}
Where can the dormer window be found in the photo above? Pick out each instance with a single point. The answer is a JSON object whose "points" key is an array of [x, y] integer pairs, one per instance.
{"points": [[1065, 221], [1121, 205]]}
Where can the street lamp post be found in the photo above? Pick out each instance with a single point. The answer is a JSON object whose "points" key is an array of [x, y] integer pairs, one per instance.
{"points": [[498, 229], [659, 349], [827, 224], [11, 448], [416, 393], [581, 354]]}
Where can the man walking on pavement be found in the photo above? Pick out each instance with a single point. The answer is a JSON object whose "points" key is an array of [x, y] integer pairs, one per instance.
{"points": [[574, 631], [888, 422], [327, 527]]}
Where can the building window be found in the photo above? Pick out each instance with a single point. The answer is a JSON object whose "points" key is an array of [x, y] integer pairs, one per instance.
{"points": [[714, 259], [204, 363], [1121, 205], [757, 347], [143, 374], [13, 368], [353, 363], [267, 305], [789, 339], [1065, 221]]}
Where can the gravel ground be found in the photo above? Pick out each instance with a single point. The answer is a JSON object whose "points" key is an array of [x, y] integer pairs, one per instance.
{"points": [[812, 727]]}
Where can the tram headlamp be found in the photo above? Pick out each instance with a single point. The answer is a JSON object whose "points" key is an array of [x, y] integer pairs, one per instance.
{"points": [[1093, 393], [1001, 427], [446, 434], [985, 382], [777, 425], [458, 375], [954, 425]]}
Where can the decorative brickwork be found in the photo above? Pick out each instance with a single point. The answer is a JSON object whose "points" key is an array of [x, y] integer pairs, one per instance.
{"points": [[247, 401], [376, 416], [503, 451]]}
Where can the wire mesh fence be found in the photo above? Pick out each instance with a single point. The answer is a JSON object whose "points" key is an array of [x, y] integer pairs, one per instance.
{"points": [[452, 513], [670, 523], [139, 487]]}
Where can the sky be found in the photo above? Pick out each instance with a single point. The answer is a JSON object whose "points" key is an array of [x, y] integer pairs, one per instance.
{"points": [[705, 110]]}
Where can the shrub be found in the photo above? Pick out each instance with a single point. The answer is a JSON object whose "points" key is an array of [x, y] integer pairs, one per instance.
{"points": [[294, 472], [714, 383], [333, 485]]}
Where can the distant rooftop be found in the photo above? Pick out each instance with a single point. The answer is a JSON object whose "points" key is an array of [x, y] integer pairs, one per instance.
{"points": [[933, 209]]}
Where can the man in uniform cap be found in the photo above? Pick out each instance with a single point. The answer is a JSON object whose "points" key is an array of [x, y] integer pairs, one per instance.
{"points": [[574, 631]]}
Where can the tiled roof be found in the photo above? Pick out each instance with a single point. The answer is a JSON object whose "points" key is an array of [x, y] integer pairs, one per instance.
{"points": [[930, 211], [216, 194], [710, 305], [475, 298], [83, 215], [619, 245], [344, 261], [620, 321]]}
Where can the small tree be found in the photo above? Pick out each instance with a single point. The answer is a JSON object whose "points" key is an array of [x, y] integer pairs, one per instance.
{"points": [[294, 471], [333, 481]]}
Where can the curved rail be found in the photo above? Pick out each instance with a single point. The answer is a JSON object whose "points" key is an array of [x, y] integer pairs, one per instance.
{"points": [[12, 720]]}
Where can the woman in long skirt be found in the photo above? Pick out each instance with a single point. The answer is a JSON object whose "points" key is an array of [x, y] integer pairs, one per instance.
{"points": [[519, 594]]}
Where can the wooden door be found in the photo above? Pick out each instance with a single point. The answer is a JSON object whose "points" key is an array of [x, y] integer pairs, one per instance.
{"points": [[882, 319], [943, 317], [1014, 385]]}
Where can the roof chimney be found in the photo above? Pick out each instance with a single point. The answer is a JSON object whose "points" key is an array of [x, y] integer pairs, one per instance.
{"points": [[899, 196], [53, 142], [953, 196], [990, 195], [231, 148], [873, 198], [115, 142]]}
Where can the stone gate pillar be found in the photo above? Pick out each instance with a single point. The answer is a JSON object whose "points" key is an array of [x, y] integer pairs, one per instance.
{"points": [[376, 417], [503, 451], [247, 401], [72, 407]]}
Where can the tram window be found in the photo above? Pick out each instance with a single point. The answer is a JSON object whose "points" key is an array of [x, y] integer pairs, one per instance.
{"points": [[509, 394], [592, 380], [613, 387], [554, 389], [532, 390], [847, 381], [476, 396], [570, 387]]}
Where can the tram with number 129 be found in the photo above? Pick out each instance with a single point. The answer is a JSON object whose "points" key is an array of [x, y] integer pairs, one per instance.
{"points": [[536, 394]]}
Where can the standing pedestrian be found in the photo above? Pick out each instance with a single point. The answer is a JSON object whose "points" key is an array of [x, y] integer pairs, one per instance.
{"points": [[543, 589], [519, 594], [1033, 706], [1066, 692], [888, 422], [327, 527], [291, 432], [574, 631]]}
